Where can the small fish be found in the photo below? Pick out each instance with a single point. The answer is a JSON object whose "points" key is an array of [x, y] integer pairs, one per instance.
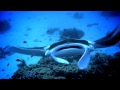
{"points": [[18, 60], [3, 70], [7, 64], [31, 56], [24, 42], [93, 24]]}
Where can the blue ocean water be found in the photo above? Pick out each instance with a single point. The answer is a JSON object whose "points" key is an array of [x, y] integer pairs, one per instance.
{"points": [[29, 29]]}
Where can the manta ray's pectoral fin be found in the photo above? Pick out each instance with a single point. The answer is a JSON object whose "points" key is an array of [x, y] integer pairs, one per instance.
{"points": [[84, 60], [109, 40], [22, 50], [59, 60]]}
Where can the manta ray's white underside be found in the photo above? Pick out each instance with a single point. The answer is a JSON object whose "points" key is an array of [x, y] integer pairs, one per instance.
{"points": [[69, 52], [66, 50]]}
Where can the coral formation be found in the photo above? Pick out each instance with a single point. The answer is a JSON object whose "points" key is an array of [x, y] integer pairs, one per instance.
{"points": [[52, 30], [71, 33], [4, 26], [45, 69], [101, 67]]}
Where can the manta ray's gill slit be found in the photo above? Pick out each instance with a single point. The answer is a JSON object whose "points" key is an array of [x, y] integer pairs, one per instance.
{"points": [[77, 47]]}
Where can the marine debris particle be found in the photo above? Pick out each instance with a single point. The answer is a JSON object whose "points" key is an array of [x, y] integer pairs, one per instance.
{"points": [[24, 42], [93, 24]]}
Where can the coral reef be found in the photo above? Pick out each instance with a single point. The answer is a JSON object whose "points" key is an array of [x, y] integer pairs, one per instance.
{"points": [[51, 31], [71, 33], [101, 67], [45, 69], [4, 26]]}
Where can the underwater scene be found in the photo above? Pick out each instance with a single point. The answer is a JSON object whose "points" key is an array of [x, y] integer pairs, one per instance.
{"points": [[81, 45]]}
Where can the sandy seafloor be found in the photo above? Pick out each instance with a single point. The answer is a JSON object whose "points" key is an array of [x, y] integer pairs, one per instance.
{"points": [[31, 26]]}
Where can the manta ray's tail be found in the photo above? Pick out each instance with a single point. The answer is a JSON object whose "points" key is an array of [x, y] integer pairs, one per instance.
{"points": [[109, 40]]}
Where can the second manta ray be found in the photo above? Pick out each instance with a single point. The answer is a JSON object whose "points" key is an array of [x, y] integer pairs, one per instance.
{"points": [[69, 47]]}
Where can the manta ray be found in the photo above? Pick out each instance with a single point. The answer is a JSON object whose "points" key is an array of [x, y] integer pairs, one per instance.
{"points": [[69, 47]]}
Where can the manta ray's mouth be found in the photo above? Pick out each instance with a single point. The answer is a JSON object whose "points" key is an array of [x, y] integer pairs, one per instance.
{"points": [[76, 47]]}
